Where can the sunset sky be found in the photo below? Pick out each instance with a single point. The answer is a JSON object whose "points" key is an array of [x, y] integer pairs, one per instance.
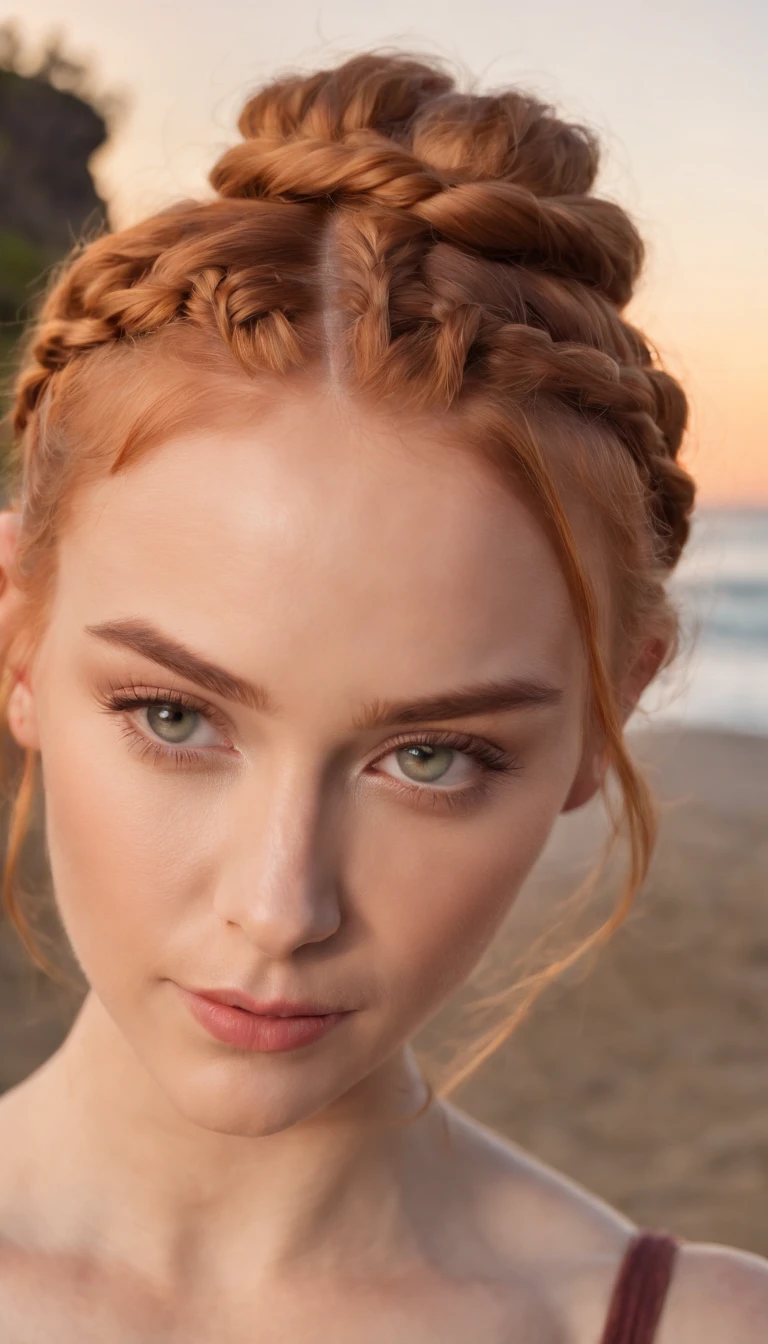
{"points": [[676, 89]]}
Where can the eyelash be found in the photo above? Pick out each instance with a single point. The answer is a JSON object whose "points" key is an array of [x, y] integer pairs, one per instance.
{"points": [[492, 759]]}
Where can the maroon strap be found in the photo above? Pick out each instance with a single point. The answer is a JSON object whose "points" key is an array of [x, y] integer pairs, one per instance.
{"points": [[640, 1289]]}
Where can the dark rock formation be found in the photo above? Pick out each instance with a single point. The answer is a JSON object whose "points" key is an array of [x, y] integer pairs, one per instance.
{"points": [[47, 196]]}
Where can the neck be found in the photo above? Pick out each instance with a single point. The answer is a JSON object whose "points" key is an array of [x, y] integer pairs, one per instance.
{"points": [[128, 1178]]}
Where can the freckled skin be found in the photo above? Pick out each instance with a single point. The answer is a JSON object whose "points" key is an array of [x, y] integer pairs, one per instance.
{"points": [[336, 558]]}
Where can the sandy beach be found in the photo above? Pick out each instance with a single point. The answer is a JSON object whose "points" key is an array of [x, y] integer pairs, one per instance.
{"points": [[643, 1074]]}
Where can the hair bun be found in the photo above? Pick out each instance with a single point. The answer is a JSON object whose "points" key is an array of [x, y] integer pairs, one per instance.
{"points": [[369, 91], [500, 172], [507, 137], [510, 136]]}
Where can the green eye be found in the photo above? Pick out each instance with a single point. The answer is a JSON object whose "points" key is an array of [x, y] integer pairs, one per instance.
{"points": [[429, 763], [168, 721]]}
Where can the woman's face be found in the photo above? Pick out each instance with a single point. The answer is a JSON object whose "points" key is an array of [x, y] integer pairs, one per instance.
{"points": [[321, 837]]}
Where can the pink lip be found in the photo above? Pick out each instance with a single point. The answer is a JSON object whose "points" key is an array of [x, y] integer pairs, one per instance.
{"points": [[248, 1030]]}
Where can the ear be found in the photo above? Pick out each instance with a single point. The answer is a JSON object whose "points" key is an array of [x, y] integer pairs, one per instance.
{"points": [[594, 761], [587, 780], [22, 719], [9, 528]]}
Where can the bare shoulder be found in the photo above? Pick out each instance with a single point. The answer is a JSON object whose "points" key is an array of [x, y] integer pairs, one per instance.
{"points": [[575, 1241], [717, 1293], [550, 1212], [551, 1235]]}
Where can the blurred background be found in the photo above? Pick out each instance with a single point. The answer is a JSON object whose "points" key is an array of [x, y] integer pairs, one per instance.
{"points": [[645, 1074]]}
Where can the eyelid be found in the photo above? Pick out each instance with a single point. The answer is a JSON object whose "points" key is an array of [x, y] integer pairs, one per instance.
{"points": [[488, 756], [479, 749], [137, 692]]}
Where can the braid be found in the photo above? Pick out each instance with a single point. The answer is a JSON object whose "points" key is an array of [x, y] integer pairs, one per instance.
{"points": [[389, 143], [588, 239], [431, 155], [450, 343], [191, 262]]}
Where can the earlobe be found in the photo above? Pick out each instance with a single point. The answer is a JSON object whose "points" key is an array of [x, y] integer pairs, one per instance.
{"points": [[22, 719], [9, 592], [587, 782], [10, 522], [20, 709], [592, 768], [642, 675]]}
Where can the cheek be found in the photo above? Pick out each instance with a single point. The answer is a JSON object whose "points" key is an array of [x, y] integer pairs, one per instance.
{"points": [[120, 845], [435, 892]]}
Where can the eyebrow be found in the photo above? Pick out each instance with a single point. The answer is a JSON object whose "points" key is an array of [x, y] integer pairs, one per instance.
{"points": [[487, 697]]}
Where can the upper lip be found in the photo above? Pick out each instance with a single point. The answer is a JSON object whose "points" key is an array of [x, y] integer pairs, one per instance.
{"points": [[236, 998]]}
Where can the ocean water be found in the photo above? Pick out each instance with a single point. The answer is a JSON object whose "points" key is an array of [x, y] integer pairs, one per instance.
{"points": [[721, 590]]}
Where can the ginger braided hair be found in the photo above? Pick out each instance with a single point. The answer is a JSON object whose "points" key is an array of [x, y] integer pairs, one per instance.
{"points": [[428, 250]]}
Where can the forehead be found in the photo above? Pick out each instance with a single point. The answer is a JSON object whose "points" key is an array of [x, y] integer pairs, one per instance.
{"points": [[328, 527]]}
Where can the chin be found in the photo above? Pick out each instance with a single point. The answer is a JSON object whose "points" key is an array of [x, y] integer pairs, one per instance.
{"points": [[243, 1097]]}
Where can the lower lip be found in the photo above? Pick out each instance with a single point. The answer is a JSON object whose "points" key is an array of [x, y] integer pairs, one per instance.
{"points": [[252, 1031]]}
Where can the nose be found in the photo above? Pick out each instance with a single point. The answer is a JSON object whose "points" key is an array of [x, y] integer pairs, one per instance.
{"points": [[278, 882]]}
